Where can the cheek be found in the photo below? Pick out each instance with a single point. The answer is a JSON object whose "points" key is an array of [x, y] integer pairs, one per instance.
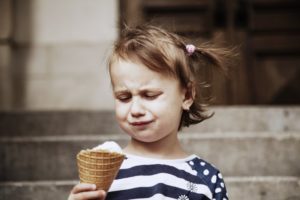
{"points": [[121, 111], [165, 111], [172, 110]]}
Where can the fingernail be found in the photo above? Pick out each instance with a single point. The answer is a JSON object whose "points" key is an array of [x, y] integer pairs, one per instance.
{"points": [[94, 187]]}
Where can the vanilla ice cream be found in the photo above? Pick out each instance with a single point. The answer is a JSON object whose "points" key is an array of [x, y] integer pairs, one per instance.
{"points": [[110, 146]]}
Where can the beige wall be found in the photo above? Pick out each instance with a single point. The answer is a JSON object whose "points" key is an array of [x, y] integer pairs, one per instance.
{"points": [[58, 56]]}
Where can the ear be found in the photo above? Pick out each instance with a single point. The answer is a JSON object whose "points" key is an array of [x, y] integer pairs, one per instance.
{"points": [[189, 96]]}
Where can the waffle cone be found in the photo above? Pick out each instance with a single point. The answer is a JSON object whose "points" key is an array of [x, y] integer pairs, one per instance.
{"points": [[98, 167]]}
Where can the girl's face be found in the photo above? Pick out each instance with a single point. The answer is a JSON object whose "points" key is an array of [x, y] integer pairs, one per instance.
{"points": [[148, 104]]}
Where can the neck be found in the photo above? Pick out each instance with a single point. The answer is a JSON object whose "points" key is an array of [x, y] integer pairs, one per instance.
{"points": [[166, 148]]}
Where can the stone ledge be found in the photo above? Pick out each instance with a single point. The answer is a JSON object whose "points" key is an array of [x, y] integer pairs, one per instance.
{"points": [[53, 158], [57, 123], [226, 119], [188, 136]]}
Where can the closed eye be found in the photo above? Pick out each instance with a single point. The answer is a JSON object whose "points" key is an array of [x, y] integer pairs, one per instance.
{"points": [[123, 97], [151, 95]]}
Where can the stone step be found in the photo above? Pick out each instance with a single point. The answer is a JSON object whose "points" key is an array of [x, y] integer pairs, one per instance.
{"points": [[235, 154], [37, 123], [245, 188], [226, 119]]}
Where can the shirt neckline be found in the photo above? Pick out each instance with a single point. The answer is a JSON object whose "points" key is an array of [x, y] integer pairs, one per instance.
{"points": [[161, 160]]}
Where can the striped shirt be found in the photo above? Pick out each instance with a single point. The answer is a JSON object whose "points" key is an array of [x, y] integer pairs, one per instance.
{"points": [[181, 179]]}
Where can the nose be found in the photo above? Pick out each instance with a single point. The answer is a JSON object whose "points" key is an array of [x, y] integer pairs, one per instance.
{"points": [[137, 109]]}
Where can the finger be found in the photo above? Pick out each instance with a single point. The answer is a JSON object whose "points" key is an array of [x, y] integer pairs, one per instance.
{"points": [[82, 187], [98, 194], [103, 194]]}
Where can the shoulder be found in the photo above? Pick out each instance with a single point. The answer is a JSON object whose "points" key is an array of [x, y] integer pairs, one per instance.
{"points": [[210, 175]]}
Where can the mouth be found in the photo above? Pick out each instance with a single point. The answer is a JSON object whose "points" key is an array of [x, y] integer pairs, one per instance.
{"points": [[141, 123]]}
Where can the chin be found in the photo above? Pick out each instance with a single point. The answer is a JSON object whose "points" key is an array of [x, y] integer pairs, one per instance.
{"points": [[143, 137], [147, 140]]}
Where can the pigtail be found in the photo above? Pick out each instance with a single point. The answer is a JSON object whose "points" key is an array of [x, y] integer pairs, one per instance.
{"points": [[204, 61]]}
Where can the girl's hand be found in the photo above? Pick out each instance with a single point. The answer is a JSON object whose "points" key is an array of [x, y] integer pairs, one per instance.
{"points": [[84, 191]]}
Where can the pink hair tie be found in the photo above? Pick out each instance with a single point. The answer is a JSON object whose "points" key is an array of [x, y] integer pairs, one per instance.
{"points": [[190, 48]]}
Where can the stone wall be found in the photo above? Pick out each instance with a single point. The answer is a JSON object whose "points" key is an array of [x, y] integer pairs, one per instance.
{"points": [[54, 57]]}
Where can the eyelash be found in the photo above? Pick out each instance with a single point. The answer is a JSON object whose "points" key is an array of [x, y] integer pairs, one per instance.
{"points": [[126, 98], [151, 96]]}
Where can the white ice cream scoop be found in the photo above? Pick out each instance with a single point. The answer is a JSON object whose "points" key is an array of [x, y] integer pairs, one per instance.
{"points": [[110, 146]]}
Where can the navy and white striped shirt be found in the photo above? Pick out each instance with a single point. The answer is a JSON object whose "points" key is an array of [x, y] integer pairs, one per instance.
{"points": [[182, 179]]}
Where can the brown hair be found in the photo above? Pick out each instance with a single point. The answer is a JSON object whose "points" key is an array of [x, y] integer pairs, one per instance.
{"points": [[166, 53]]}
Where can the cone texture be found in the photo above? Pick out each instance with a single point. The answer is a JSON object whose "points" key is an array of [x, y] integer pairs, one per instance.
{"points": [[98, 167]]}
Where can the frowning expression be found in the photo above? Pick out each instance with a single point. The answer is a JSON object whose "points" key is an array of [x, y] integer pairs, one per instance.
{"points": [[148, 104]]}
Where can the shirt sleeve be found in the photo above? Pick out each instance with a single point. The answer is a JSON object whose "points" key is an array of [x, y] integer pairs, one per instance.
{"points": [[219, 189]]}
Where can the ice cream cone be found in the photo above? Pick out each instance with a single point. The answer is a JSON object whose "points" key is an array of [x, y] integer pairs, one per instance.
{"points": [[98, 167]]}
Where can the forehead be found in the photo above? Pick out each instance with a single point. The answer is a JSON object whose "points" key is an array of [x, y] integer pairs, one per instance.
{"points": [[129, 74]]}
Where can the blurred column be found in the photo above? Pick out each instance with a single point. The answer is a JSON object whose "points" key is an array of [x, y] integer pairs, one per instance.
{"points": [[59, 53], [5, 52]]}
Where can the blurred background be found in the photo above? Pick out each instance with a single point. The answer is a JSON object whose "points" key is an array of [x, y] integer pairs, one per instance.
{"points": [[53, 56], [55, 94]]}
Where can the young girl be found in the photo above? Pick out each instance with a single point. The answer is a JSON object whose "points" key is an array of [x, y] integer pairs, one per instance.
{"points": [[158, 89]]}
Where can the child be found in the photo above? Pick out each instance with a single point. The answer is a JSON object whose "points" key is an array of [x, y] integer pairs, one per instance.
{"points": [[158, 90]]}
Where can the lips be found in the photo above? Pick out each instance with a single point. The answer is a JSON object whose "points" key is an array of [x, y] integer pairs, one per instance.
{"points": [[141, 123]]}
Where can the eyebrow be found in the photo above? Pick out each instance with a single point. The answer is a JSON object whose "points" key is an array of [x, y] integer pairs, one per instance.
{"points": [[121, 91], [139, 91]]}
